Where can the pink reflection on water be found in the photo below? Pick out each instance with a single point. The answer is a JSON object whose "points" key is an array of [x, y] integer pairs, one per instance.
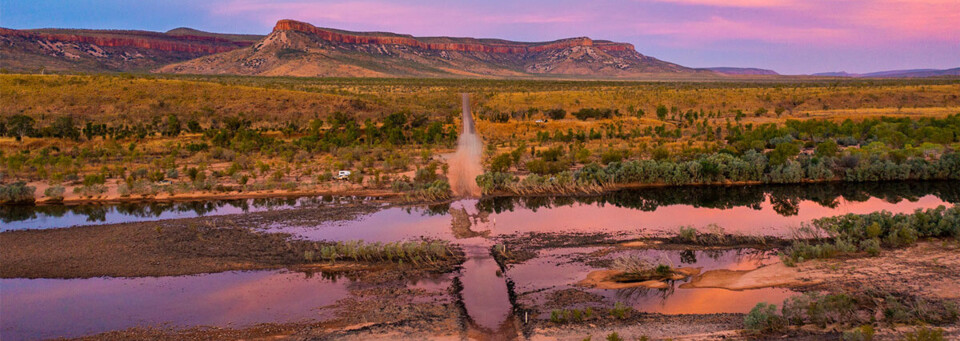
{"points": [[401, 223], [585, 217], [485, 294], [711, 301], [47, 308], [554, 270]]}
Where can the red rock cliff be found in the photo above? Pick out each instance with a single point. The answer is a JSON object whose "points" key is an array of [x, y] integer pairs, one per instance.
{"points": [[144, 40], [506, 47]]}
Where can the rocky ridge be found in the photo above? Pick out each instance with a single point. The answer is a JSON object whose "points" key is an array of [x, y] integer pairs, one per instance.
{"points": [[300, 49]]}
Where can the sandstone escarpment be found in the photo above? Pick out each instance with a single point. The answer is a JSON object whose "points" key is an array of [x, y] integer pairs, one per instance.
{"points": [[296, 48], [144, 40], [447, 44], [109, 50]]}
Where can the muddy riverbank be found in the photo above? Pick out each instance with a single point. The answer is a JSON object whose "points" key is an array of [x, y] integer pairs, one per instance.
{"points": [[395, 311], [172, 247]]}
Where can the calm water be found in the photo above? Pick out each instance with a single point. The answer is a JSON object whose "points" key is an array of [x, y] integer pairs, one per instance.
{"points": [[56, 216], [47, 308], [766, 210], [554, 270], [42, 308]]}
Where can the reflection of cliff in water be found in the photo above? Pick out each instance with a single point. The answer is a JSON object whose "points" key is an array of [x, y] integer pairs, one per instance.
{"points": [[784, 198]]}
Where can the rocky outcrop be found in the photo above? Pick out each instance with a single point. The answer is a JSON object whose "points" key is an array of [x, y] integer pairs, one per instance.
{"points": [[447, 44], [136, 39]]}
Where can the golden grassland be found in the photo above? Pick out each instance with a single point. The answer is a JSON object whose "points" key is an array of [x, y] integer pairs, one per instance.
{"points": [[132, 98], [273, 102], [117, 99]]}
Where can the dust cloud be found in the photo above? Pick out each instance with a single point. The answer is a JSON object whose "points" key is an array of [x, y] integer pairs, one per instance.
{"points": [[465, 163]]}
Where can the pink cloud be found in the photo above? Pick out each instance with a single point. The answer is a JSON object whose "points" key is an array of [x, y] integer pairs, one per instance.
{"points": [[824, 23], [818, 23], [899, 19], [533, 19], [368, 13], [733, 3], [718, 28]]}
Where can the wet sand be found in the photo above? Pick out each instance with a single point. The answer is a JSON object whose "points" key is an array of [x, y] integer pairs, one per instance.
{"points": [[928, 269]]}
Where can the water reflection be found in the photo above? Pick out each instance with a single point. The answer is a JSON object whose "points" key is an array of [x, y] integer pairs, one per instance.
{"points": [[484, 293], [785, 199], [50, 308], [558, 269], [754, 210], [55, 216]]}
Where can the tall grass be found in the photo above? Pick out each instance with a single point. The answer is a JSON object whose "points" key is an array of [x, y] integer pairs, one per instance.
{"points": [[411, 252]]}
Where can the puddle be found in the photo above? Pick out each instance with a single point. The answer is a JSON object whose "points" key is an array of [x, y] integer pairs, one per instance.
{"points": [[485, 294]]}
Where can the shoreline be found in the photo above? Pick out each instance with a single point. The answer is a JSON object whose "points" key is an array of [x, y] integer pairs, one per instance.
{"points": [[639, 185], [396, 197], [178, 247], [210, 197]]}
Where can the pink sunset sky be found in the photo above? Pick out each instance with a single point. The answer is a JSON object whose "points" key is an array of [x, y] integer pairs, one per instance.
{"points": [[789, 36]]}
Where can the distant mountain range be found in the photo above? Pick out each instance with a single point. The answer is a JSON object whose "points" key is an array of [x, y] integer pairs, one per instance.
{"points": [[296, 48], [300, 49], [69, 50], [915, 73], [742, 71]]}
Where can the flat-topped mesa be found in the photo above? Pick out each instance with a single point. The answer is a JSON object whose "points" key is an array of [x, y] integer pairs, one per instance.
{"points": [[447, 44], [138, 39]]}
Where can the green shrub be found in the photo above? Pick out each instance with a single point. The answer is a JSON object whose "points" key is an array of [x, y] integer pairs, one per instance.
{"points": [[764, 318], [90, 190], [870, 232], [620, 311], [492, 182], [94, 179], [437, 190], [556, 316], [426, 174], [688, 234], [556, 114], [54, 193], [17, 193], [871, 247], [614, 337], [614, 155], [925, 334], [663, 270], [863, 333], [501, 163], [853, 309]]}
